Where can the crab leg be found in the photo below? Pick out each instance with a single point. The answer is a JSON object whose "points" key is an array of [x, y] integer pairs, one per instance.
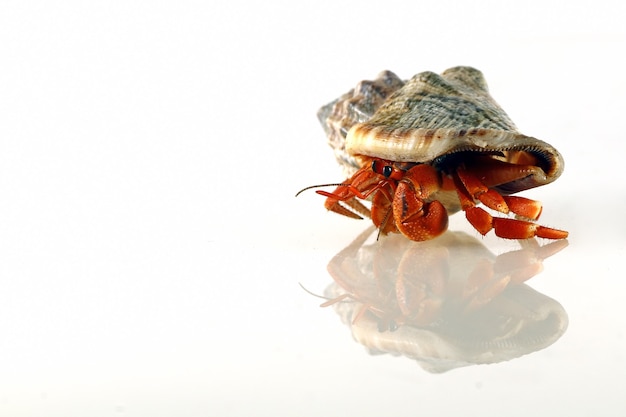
{"points": [[360, 185], [470, 188], [524, 207], [479, 191], [339, 206], [483, 173], [364, 183]]}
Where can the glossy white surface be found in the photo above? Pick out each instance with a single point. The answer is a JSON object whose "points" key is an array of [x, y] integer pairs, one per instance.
{"points": [[152, 246]]}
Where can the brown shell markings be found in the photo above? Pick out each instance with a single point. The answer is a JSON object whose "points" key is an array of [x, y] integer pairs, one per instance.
{"points": [[433, 117], [356, 106]]}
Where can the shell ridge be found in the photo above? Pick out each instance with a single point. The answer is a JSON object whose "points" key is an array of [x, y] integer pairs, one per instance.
{"points": [[428, 117]]}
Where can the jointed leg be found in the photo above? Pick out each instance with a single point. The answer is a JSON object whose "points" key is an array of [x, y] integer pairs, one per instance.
{"points": [[470, 189]]}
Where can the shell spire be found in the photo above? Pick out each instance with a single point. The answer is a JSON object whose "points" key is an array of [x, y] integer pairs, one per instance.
{"points": [[356, 106]]}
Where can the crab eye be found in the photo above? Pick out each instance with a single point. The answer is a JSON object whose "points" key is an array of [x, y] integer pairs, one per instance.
{"points": [[383, 169]]}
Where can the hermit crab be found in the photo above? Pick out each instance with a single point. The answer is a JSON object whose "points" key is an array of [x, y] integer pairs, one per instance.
{"points": [[426, 148]]}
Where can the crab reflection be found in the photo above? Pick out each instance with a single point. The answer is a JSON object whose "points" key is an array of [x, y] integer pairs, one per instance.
{"points": [[445, 303]]}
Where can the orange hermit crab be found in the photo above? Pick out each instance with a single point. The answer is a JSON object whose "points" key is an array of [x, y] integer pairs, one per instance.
{"points": [[431, 146]]}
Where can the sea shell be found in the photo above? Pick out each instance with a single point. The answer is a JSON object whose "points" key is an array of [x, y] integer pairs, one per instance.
{"points": [[438, 119], [356, 106]]}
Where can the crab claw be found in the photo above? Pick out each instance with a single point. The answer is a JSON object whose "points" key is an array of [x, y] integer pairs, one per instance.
{"points": [[415, 218]]}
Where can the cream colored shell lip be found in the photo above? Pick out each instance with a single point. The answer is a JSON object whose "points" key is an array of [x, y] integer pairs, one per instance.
{"points": [[434, 116]]}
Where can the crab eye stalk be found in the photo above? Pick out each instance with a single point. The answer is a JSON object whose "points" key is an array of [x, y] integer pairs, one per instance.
{"points": [[386, 169], [380, 167], [376, 165]]}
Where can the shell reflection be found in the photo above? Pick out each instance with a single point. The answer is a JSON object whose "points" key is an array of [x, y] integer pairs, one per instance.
{"points": [[445, 303]]}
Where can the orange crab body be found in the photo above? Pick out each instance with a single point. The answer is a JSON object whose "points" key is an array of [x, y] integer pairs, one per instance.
{"points": [[432, 146]]}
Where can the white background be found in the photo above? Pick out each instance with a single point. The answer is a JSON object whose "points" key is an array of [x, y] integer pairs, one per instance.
{"points": [[150, 242]]}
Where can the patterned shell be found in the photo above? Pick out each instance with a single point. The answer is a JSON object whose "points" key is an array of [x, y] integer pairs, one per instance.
{"points": [[435, 119]]}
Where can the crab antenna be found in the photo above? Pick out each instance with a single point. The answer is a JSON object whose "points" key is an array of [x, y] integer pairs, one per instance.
{"points": [[320, 186], [312, 293], [383, 224], [329, 301]]}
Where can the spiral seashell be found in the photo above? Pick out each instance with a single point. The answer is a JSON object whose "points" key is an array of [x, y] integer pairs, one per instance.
{"points": [[435, 119]]}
